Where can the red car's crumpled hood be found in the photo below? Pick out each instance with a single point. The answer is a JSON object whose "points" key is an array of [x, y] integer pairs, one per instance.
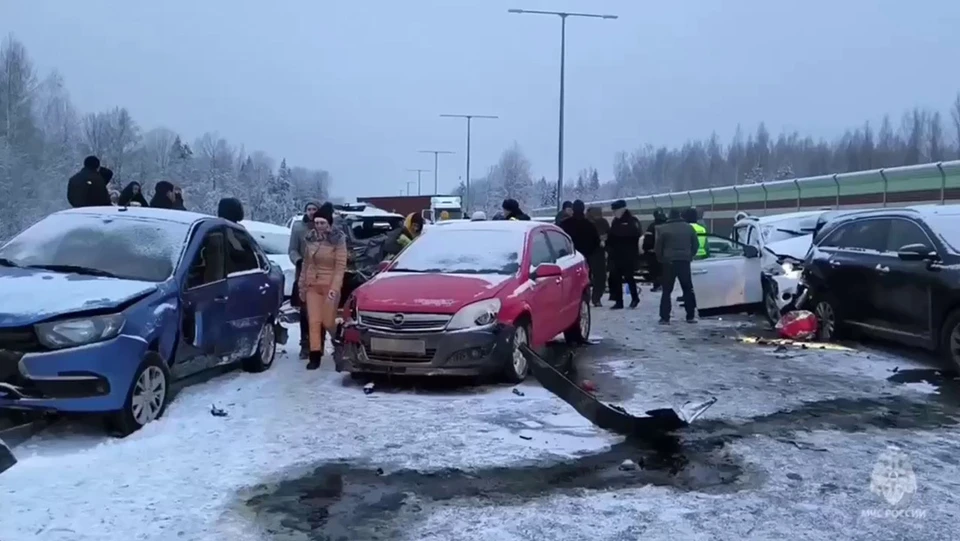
{"points": [[427, 293]]}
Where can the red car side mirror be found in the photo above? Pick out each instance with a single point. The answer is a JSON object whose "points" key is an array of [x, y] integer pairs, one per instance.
{"points": [[546, 270]]}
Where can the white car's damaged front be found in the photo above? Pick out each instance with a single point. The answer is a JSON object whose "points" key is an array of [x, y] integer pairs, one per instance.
{"points": [[781, 278]]}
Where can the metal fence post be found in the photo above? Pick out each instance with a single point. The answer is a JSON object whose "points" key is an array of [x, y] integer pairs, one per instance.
{"points": [[713, 203], [799, 197], [736, 205], [943, 183], [837, 182], [885, 184], [670, 195], [764, 186]]}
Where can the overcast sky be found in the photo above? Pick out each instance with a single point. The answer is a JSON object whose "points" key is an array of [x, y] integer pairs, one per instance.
{"points": [[356, 87]]}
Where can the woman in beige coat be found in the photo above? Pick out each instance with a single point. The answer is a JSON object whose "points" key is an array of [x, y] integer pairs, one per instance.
{"points": [[321, 278]]}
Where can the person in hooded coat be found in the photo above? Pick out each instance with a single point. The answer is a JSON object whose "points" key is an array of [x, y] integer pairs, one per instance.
{"points": [[649, 241], [566, 211], [598, 263], [623, 245], [321, 278], [298, 242], [132, 196], [163, 196], [87, 188], [229, 208], [114, 198], [511, 210]]}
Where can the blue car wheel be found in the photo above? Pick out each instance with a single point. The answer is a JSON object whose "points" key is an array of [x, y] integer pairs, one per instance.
{"points": [[147, 398]]}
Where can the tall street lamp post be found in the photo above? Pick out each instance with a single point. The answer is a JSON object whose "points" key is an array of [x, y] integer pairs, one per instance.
{"points": [[436, 166], [466, 204], [419, 171], [563, 48]]}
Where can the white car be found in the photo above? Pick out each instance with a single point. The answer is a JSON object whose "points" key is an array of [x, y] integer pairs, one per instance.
{"points": [[275, 241], [752, 269]]}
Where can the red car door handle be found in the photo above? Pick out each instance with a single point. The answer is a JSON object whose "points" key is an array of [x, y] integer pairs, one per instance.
{"points": [[559, 280]]}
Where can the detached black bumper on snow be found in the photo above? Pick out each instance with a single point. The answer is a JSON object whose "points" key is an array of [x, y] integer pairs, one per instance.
{"points": [[469, 352]]}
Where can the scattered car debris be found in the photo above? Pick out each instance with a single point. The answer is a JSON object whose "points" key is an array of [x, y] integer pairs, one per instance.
{"points": [[368, 388], [379, 471], [588, 386], [798, 325], [518, 392], [523, 437], [217, 412], [628, 465], [614, 419], [780, 349]]}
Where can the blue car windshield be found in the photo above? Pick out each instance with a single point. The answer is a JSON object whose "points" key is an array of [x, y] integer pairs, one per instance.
{"points": [[128, 247]]}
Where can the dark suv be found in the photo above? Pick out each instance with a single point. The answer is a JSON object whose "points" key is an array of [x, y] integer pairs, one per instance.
{"points": [[891, 273]]}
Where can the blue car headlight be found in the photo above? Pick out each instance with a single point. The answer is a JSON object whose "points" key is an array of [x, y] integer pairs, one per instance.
{"points": [[77, 332]]}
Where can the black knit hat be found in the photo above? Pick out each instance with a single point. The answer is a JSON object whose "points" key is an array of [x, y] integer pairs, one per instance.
{"points": [[618, 204]]}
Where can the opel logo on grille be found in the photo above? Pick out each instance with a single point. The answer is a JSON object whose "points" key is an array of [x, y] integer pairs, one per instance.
{"points": [[397, 320]]}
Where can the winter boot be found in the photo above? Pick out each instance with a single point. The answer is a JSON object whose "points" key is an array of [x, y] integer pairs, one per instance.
{"points": [[304, 352], [315, 357], [634, 303]]}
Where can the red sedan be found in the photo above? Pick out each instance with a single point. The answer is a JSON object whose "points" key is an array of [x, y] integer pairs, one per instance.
{"points": [[463, 297]]}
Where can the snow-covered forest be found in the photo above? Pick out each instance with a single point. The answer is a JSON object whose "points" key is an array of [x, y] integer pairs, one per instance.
{"points": [[920, 136], [43, 140]]}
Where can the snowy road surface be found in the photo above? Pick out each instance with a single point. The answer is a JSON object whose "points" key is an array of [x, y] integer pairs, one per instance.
{"points": [[803, 444]]}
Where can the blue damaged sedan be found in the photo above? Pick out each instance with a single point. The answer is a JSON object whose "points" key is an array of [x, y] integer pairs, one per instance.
{"points": [[103, 308]]}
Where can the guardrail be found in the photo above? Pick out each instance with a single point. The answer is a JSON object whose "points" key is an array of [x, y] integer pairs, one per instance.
{"points": [[897, 186]]}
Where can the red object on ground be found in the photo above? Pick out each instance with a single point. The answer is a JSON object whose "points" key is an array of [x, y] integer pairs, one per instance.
{"points": [[798, 325], [588, 386]]}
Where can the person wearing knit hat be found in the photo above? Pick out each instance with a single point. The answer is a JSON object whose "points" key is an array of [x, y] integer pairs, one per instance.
{"points": [[478, 216]]}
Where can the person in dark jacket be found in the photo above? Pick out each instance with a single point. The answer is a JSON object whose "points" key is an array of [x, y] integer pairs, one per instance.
{"points": [[132, 196], [229, 208], [676, 246], [649, 241], [163, 196], [178, 198], [598, 263], [623, 246], [87, 188], [511, 210], [586, 240], [566, 211], [298, 241]]}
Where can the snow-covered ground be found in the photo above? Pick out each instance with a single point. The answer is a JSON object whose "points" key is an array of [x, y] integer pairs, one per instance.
{"points": [[788, 452]]}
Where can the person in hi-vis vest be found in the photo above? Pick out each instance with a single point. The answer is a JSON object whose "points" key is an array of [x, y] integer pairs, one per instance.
{"points": [[691, 216]]}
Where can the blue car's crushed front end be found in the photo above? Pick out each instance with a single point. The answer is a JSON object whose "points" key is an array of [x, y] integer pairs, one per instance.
{"points": [[94, 377]]}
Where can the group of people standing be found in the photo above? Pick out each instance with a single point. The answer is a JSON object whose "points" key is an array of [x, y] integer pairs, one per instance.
{"points": [[90, 187], [613, 250]]}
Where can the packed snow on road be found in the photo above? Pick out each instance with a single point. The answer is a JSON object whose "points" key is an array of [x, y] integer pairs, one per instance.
{"points": [[806, 441]]}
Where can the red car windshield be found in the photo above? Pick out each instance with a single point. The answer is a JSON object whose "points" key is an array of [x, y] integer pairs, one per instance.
{"points": [[463, 251]]}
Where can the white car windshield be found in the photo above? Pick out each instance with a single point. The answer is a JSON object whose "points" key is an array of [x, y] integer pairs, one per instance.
{"points": [[947, 227], [128, 247], [463, 251], [788, 229]]}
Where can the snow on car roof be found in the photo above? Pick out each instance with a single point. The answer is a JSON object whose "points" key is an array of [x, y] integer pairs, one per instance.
{"points": [[167, 215], [493, 225], [936, 210], [264, 227], [780, 217]]}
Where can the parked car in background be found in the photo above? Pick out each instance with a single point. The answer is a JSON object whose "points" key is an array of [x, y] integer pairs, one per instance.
{"points": [[890, 273], [104, 308], [274, 240], [463, 297]]}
